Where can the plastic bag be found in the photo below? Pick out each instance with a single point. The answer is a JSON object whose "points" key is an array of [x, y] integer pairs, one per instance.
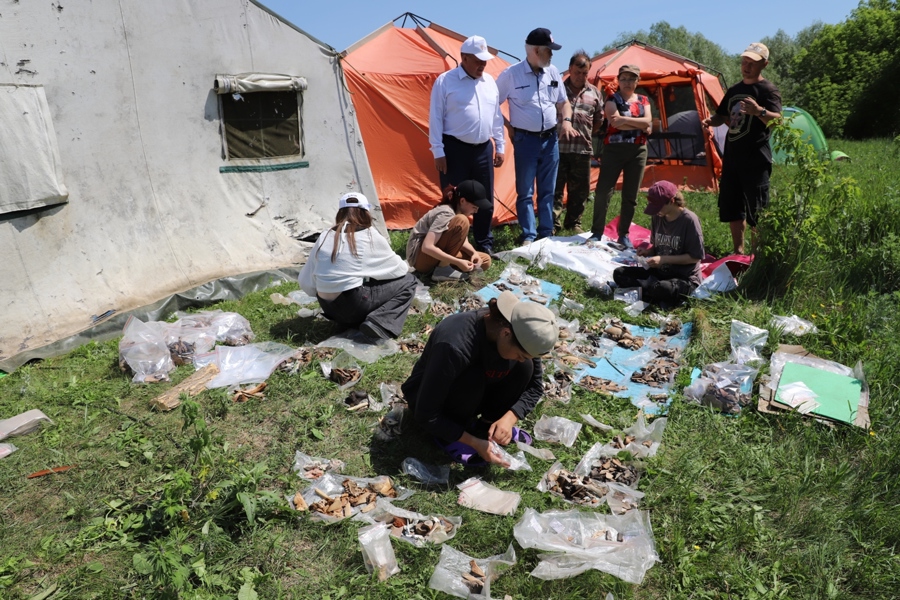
{"points": [[622, 498], [747, 342], [360, 347], [312, 468], [601, 284], [378, 554], [793, 325], [332, 485], [572, 306], [185, 341], [798, 396], [516, 462], [412, 527], [556, 429], [621, 545], [143, 349], [6, 450], [422, 298], [627, 295], [590, 420], [450, 573], [572, 487], [230, 327], [247, 364], [425, 473], [342, 370], [541, 453], [476, 494], [719, 281], [636, 308], [296, 297], [730, 386], [568, 330], [23, 423], [646, 439]]}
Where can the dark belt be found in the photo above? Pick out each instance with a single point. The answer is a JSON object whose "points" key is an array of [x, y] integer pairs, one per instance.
{"points": [[541, 134], [459, 141]]}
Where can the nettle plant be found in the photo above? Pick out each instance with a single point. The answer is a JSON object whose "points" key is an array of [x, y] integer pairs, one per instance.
{"points": [[806, 224]]}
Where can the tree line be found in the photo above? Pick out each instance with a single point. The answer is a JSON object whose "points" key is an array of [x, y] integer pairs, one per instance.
{"points": [[846, 75]]}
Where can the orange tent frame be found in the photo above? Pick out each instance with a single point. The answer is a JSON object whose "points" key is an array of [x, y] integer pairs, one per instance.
{"points": [[390, 74], [660, 71]]}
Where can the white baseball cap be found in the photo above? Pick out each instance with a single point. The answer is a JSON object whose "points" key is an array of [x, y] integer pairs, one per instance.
{"points": [[478, 46], [354, 200]]}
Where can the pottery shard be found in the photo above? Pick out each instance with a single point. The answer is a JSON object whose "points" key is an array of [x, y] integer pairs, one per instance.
{"points": [[300, 503]]}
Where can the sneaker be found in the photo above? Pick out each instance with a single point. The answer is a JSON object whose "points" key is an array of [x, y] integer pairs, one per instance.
{"points": [[373, 331], [448, 273], [527, 242], [626, 241], [594, 238]]}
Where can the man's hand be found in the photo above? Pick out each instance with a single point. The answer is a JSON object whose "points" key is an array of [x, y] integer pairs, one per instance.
{"points": [[501, 429], [441, 164], [750, 107], [483, 447], [654, 262], [568, 132], [475, 260], [498, 159], [643, 251]]}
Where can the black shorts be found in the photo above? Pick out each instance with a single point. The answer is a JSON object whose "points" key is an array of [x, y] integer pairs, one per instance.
{"points": [[743, 192]]}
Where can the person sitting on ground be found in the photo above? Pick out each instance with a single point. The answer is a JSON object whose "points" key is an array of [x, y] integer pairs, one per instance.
{"points": [[439, 242], [359, 280], [673, 258], [480, 373]]}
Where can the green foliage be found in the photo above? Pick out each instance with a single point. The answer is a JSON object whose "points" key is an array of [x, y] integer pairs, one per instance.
{"points": [[694, 46], [783, 49], [805, 230], [846, 76]]}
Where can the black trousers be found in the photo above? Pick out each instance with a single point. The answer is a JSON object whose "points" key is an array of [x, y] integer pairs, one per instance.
{"points": [[385, 303], [657, 286], [465, 161]]}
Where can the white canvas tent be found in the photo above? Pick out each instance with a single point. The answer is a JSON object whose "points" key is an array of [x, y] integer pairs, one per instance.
{"points": [[118, 186]]}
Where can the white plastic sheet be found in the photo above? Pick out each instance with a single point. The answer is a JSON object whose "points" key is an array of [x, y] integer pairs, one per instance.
{"points": [[23, 423], [253, 363], [577, 541]]}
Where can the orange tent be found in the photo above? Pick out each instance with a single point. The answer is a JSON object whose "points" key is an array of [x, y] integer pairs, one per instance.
{"points": [[682, 93], [390, 74]]}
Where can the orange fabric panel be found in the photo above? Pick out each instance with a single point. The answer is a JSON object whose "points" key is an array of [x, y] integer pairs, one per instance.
{"points": [[390, 77]]}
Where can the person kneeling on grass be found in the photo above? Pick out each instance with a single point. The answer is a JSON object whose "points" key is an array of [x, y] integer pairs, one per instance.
{"points": [[673, 258], [439, 242], [479, 374], [359, 280]]}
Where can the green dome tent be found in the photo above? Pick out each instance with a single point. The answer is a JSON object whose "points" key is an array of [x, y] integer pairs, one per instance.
{"points": [[802, 120]]}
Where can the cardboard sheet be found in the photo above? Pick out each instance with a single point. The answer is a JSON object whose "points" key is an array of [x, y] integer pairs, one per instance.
{"points": [[838, 395]]}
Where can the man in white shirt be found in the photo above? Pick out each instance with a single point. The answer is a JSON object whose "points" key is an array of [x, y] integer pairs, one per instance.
{"points": [[464, 117], [537, 104]]}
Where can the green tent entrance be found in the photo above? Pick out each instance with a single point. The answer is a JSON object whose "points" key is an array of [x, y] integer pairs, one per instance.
{"points": [[812, 133]]}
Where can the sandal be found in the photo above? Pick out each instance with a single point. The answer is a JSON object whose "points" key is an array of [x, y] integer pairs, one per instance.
{"points": [[520, 435], [462, 453]]}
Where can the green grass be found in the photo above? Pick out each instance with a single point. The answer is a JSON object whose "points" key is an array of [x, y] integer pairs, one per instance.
{"points": [[751, 507]]}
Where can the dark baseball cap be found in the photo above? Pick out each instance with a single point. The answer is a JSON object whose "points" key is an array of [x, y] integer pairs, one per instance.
{"points": [[659, 194], [542, 37], [475, 193]]}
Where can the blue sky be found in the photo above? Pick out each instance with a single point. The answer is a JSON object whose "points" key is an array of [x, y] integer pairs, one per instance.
{"points": [[732, 25]]}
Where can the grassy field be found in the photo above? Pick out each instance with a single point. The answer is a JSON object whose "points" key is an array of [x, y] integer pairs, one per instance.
{"points": [[191, 504]]}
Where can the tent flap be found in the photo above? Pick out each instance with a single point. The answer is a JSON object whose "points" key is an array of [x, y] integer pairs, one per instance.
{"points": [[30, 168], [258, 82]]}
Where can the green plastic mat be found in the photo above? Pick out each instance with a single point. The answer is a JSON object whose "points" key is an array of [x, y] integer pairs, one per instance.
{"points": [[838, 395]]}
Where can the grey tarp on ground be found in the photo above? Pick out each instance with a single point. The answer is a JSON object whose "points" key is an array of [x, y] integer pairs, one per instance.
{"points": [[226, 288]]}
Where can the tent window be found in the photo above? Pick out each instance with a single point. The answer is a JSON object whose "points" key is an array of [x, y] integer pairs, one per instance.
{"points": [[678, 98], [30, 167], [262, 124]]}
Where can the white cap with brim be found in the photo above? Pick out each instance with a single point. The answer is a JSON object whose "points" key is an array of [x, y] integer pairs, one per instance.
{"points": [[756, 51], [533, 324], [354, 200], [478, 46]]}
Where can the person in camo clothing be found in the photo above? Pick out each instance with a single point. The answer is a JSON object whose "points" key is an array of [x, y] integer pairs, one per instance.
{"points": [[574, 171]]}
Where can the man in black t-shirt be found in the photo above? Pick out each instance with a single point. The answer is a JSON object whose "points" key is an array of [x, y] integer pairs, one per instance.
{"points": [[747, 108]]}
